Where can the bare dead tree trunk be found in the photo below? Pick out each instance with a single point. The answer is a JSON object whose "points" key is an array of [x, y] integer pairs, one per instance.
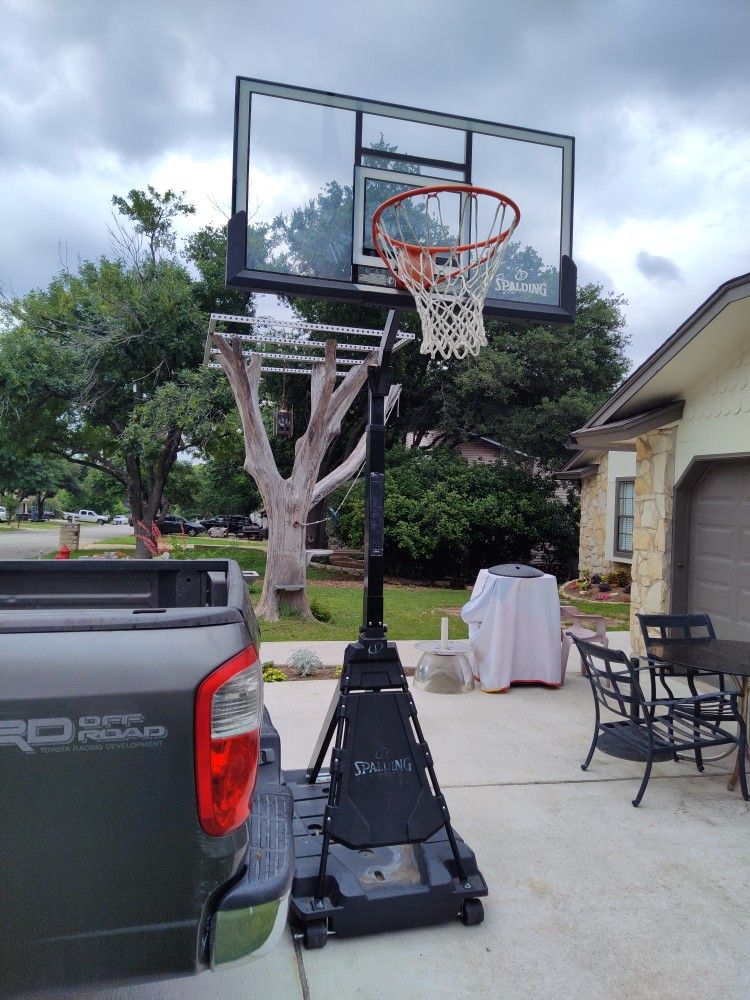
{"points": [[288, 501]]}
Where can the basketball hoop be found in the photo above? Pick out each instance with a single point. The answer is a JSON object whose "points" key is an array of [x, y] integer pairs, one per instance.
{"points": [[449, 281]]}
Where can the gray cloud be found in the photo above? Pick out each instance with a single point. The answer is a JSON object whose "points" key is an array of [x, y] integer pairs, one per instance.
{"points": [[95, 97], [658, 269], [138, 77]]}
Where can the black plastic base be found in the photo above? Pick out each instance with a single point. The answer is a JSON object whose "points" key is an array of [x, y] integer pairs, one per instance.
{"points": [[378, 888]]}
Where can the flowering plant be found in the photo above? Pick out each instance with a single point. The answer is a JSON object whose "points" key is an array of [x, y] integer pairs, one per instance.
{"points": [[153, 540]]}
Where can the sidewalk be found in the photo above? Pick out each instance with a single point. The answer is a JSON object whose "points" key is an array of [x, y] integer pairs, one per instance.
{"points": [[332, 653]]}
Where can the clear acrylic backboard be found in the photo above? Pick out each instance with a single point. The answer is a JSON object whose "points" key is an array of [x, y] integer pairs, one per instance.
{"points": [[310, 169]]}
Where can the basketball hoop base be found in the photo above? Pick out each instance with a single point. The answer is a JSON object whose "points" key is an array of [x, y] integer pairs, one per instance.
{"points": [[374, 845], [376, 889]]}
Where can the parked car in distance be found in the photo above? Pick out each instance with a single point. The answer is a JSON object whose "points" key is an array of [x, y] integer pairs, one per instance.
{"points": [[250, 529], [120, 519], [3, 514], [47, 515], [86, 515], [236, 524], [174, 524]]}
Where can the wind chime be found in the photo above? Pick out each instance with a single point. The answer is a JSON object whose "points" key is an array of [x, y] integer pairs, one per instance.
{"points": [[283, 415]]}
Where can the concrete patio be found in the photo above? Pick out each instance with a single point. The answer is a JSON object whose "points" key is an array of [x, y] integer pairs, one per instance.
{"points": [[589, 897]]}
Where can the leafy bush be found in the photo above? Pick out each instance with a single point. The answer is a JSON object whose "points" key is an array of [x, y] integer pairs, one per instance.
{"points": [[320, 612], [618, 577], [446, 518], [271, 673], [11, 504], [305, 662]]}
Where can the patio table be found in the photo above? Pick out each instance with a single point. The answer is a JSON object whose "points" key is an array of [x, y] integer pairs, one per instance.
{"points": [[710, 656]]}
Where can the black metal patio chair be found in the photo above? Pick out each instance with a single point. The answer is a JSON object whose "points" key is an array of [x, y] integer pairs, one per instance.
{"points": [[697, 627], [658, 728]]}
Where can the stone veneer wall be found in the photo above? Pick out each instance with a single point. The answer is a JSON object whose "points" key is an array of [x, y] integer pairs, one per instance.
{"points": [[654, 489], [593, 532]]}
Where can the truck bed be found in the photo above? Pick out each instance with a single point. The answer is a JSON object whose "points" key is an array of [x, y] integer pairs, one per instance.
{"points": [[107, 873], [106, 594]]}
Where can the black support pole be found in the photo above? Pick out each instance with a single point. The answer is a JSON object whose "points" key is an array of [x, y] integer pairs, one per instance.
{"points": [[380, 377]]}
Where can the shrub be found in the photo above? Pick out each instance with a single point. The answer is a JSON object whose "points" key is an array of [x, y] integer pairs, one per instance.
{"points": [[321, 613], [11, 504], [445, 517], [305, 662], [618, 577], [272, 673]]}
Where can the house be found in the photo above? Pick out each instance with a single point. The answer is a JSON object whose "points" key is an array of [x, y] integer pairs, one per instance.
{"points": [[475, 448], [664, 468]]}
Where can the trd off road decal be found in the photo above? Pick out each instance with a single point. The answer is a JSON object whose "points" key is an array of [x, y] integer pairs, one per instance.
{"points": [[88, 732]]}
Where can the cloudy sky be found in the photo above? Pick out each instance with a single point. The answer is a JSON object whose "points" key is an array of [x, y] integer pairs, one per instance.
{"points": [[98, 96]]}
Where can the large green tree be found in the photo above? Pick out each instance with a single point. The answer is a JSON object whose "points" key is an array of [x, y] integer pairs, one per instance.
{"points": [[36, 475], [100, 367], [445, 517], [528, 389]]}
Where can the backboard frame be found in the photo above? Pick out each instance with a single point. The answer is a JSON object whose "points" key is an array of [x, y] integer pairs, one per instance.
{"points": [[238, 275]]}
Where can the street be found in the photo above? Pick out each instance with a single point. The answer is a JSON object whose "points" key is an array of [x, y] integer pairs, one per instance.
{"points": [[35, 543]]}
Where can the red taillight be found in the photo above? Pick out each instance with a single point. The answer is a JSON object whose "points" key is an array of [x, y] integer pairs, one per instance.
{"points": [[228, 715]]}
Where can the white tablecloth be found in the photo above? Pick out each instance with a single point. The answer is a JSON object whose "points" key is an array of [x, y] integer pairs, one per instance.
{"points": [[514, 629]]}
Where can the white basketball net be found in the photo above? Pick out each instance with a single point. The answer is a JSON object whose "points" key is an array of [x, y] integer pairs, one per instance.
{"points": [[449, 282]]}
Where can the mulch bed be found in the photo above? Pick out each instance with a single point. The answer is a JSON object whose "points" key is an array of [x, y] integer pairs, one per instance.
{"points": [[323, 674], [614, 596]]}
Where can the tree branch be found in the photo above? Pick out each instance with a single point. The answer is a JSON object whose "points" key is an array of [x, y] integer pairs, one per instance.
{"points": [[244, 378], [100, 464], [349, 466]]}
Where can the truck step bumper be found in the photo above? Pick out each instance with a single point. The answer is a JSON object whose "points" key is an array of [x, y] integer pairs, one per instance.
{"points": [[250, 918]]}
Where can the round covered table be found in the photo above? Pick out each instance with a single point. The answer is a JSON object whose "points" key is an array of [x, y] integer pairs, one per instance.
{"points": [[514, 627]]}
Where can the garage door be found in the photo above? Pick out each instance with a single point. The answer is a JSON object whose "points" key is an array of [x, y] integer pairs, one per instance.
{"points": [[719, 548]]}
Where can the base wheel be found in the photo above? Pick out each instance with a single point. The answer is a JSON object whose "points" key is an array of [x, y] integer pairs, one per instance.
{"points": [[192, 533], [472, 912], [315, 934]]}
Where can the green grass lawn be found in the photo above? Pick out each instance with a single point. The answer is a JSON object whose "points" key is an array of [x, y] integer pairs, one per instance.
{"points": [[616, 616], [123, 540], [410, 613], [30, 525]]}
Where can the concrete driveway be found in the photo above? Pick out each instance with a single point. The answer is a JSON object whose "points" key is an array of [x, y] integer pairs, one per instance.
{"points": [[26, 542], [589, 897]]}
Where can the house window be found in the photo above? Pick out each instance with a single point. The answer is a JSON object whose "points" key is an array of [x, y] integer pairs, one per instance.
{"points": [[624, 500]]}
